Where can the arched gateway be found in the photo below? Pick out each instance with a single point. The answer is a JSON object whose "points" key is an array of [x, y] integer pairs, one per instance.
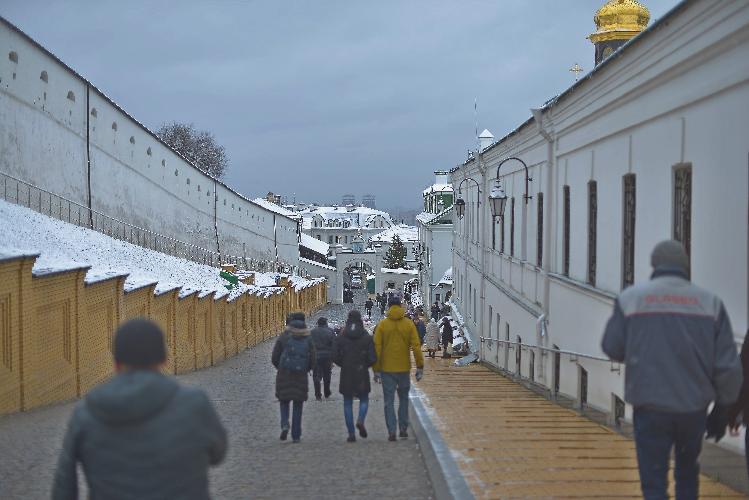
{"points": [[350, 257]]}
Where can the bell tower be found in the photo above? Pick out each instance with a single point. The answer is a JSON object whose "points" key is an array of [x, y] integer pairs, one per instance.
{"points": [[616, 23]]}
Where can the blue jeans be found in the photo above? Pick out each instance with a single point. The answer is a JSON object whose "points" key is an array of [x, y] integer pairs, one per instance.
{"points": [[390, 382], [348, 411], [296, 418], [656, 432]]}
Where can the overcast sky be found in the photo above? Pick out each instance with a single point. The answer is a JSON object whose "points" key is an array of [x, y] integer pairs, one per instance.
{"points": [[321, 98]]}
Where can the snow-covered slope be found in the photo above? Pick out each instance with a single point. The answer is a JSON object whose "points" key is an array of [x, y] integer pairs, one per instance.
{"points": [[62, 246]]}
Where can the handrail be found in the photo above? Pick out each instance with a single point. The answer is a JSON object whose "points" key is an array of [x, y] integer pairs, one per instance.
{"points": [[550, 349], [137, 235]]}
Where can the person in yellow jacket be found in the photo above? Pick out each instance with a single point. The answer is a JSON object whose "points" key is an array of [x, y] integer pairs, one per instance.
{"points": [[395, 338]]}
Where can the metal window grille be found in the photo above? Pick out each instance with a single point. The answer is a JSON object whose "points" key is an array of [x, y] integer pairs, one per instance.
{"points": [[566, 229], [512, 226], [683, 206], [628, 231], [540, 229], [592, 230]]}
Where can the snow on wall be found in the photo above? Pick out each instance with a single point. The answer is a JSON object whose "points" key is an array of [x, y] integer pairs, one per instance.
{"points": [[45, 121]]}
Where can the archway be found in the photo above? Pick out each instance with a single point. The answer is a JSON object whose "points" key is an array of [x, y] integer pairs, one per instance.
{"points": [[348, 259]]}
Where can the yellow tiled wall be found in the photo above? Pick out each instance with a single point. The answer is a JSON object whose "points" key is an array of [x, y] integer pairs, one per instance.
{"points": [[56, 331]]}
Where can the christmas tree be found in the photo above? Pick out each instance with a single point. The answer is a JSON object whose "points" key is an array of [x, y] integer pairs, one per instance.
{"points": [[395, 257]]}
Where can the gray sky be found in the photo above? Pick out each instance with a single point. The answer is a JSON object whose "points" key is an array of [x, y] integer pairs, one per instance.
{"points": [[320, 98]]}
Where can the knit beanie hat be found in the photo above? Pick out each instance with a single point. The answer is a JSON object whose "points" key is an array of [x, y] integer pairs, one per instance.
{"points": [[670, 255], [139, 343], [394, 301], [295, 316]]}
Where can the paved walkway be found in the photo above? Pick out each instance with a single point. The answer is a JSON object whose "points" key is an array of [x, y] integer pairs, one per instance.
{"points": [[258, 465], [512, 443]]}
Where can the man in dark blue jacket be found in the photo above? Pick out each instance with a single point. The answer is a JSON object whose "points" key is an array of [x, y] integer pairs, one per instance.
{"points": [[322, 337], [141, 434], [677, 343]]}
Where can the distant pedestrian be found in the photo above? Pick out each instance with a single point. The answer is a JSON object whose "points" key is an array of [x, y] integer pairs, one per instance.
{"points": [[421, 328], [432, 338], [677, 344], [445, 309], [395, 339], [435, 311], [355, 353], [383, 304], [741, 406], [294, 356], [447, 338], [140, 434], [368, 305], [323, 338]]}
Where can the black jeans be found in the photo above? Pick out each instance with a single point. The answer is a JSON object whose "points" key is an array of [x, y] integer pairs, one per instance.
{"points": [[656, 432], [322, 371]]}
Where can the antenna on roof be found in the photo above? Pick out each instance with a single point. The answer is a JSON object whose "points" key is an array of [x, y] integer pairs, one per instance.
{"points": [[476, 120]]}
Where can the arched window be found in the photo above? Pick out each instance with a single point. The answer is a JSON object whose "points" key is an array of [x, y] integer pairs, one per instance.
{"points": [[71, 95], [163, 163], [43, 77], [148, 151], [13, 56], [114, 126], [132, 139], [94, 113]]}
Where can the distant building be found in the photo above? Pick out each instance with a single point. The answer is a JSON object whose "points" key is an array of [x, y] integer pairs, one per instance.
{"points": [[339, 225], [348, 199], [434, 250], [273, 198], [368, 200]]}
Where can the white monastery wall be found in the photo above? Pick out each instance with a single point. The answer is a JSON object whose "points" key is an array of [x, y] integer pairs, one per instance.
{"points": [[133, 176]]}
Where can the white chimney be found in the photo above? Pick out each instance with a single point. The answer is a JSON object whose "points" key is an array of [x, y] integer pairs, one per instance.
{"points": [[486, 139], [440, 177]]}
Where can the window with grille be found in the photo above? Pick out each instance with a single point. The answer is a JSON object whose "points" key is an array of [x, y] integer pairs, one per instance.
{"points": [[502, 235], [512, 226], [566, 231], [683, 206], [628, 231], [592, 230], [540, 229]]}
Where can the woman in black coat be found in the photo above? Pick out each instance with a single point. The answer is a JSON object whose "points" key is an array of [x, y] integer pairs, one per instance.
{"points": [[354, 352], [447, 337]]}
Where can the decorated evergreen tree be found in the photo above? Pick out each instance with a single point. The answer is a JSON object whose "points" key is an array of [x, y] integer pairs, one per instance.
{"points": [[395, 257]]}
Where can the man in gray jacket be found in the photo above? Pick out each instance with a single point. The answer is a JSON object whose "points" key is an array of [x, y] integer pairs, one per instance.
{"points": [[322, 337], [677, 343], [141, 435]]}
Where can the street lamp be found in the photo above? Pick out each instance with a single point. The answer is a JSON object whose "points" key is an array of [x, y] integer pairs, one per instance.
{"points": [[460, 204], [497, 200]]}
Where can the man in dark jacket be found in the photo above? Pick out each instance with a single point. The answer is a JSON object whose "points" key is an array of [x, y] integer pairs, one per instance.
{"points": [[741, 407], [421, 328], [294, 356], [141, 434], [677, 343], [368, 305], [322, 337], [447, 337], [435, 311]]}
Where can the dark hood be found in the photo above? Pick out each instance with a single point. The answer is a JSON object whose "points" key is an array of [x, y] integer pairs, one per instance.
{"points": [[355, 331], [131, 397], [296, 331]]}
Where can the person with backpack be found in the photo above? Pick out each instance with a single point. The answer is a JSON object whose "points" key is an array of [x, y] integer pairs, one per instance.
{"points": [[323, 338], [395, 338], [368, 305], [293, 356], [354, 353], [140, 434], [421, 328]]}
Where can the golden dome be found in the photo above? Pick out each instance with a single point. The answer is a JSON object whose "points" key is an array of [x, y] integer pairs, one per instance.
{"points": [[620, 20]]}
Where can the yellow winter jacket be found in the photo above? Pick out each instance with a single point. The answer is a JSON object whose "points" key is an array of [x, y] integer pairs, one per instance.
{"points": [[394, 339]]}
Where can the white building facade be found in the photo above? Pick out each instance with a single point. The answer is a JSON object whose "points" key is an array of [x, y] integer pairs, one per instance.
{"points": [[434, 250], [651, 145]]}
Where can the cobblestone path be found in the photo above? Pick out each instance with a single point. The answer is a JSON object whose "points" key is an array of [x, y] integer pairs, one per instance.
{"points": [[258, 465]]}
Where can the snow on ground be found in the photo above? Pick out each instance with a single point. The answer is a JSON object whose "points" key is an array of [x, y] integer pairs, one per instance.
{"points": [[62, 246]]}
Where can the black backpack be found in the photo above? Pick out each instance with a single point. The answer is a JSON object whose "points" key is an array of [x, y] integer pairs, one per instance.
{"points": [[295, 355]]}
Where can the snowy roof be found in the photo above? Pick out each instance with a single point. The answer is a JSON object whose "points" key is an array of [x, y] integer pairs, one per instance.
{"points": [[317, 264], [438, 188], [414, 272], [486, 135], [275, 208], [314, 244], [427, 218], [63, 247], [405, 232], [447, 278], [356, 216]]}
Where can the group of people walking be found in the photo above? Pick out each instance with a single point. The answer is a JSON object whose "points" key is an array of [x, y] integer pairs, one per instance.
{"points": [[298, 351]]}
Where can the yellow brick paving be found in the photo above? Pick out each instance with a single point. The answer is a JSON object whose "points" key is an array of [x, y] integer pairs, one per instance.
{"points": [[512, 443]]}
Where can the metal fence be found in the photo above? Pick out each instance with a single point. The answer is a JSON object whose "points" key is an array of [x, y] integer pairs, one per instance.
{"points": [[45, 202], [521, 361]]}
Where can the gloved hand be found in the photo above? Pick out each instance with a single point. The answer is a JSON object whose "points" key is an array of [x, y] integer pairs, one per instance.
{"points": [[717, 422], [377, 377], [419, 373]]}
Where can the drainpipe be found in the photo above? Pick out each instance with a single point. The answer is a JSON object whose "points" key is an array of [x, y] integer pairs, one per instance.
{"points": [[482, 249], [215, 219], [545, 130], [88, 156]]}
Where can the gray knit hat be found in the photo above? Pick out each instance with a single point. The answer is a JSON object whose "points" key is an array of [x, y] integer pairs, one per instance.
{"points": [[139, 343], [670, 254]]}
